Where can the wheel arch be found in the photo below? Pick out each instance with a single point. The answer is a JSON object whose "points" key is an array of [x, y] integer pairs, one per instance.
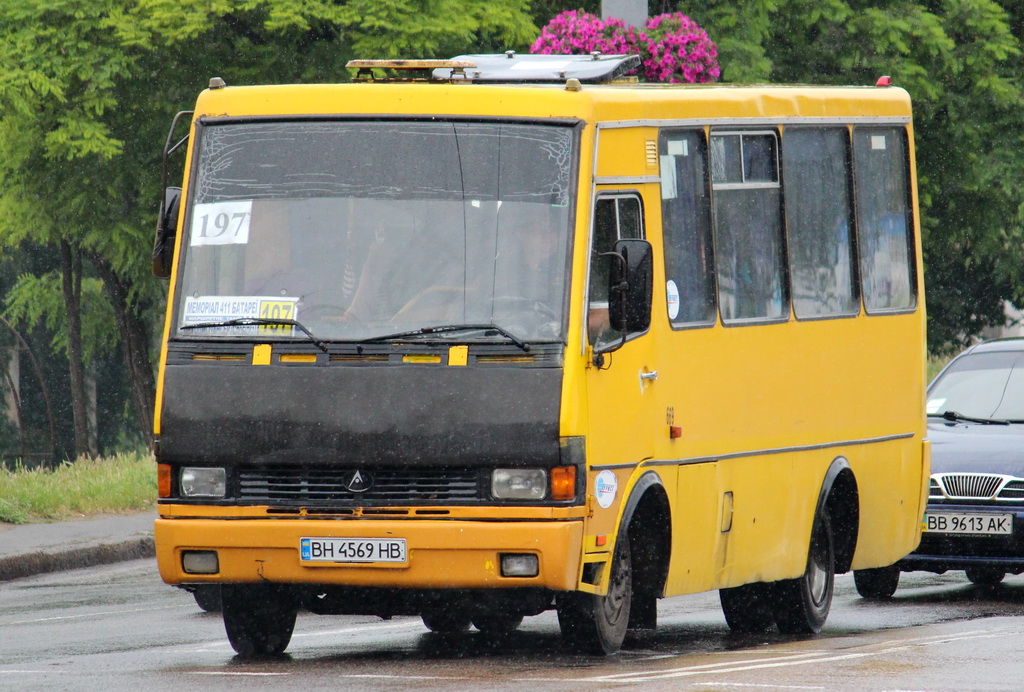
{"points": [[647, 519], [840, 497]]}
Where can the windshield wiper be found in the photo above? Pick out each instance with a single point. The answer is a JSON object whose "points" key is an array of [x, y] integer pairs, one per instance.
{"points": [[954, 416], [247, 321], [426, 331]]}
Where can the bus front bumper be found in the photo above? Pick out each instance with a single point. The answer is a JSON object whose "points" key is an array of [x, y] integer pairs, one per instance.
{"points": [[461, 554]]}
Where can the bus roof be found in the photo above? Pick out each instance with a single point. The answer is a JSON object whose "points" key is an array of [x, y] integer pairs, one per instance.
{"points": [[564, 98]]}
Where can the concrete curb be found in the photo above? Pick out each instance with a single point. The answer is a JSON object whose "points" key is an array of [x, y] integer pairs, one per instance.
{"points": [[41, 562]]}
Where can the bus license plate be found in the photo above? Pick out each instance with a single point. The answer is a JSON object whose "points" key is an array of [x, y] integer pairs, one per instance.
{"points": [[352, 550], [964, 523]]}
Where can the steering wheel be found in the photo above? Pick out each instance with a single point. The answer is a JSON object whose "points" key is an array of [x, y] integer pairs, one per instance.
{"points": [[527, 316]]}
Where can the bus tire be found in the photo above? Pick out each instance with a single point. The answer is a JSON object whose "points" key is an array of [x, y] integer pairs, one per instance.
{"points": [[597, 624], [880, 582], [258, 618], [801, 605], [451, 621], [748, 608], [497, 624]]}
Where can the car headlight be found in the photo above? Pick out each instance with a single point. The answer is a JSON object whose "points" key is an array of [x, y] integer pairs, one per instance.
{"points": [[519, 484], [203, 482]]}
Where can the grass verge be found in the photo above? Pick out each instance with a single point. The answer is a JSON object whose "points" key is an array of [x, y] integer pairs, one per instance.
{"points": [[122, 483]]}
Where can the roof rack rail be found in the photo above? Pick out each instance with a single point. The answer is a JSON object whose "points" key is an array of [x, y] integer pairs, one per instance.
{"points": [[506, 68], [366, 67]]}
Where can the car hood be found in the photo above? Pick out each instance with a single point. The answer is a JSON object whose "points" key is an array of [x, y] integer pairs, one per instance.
{"points": [[977, 448]]}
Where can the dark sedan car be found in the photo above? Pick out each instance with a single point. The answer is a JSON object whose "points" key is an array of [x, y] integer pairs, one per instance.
{"points": [[975, 515]]}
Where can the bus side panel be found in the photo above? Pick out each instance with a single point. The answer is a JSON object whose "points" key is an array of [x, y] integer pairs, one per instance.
{"points": [[699, 545], [885, 475]]}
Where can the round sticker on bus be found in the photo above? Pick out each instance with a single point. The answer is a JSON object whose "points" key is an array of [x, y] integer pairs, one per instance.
{"points": [[672, 297], [605, 487]]}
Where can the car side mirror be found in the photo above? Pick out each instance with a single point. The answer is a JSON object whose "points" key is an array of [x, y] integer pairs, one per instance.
{"points": [[166, 232], [631, 286]]}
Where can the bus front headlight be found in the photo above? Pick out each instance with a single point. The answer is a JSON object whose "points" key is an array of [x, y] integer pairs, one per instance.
{"points": [[203, 482], [519, 484]]}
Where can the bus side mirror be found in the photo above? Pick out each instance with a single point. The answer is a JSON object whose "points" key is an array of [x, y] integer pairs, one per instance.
{"points": [[631, 286], [166, 228]]}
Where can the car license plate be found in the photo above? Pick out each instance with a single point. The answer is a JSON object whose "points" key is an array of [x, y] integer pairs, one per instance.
{"points": [[358, 550], [965, 523]]}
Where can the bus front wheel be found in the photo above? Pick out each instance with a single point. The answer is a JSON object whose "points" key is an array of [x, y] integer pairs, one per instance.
{"points": [[258, 618], [597, 624], [801, 605]]}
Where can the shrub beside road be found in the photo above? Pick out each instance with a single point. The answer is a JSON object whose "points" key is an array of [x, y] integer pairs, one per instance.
{"points": [[122, 483]]}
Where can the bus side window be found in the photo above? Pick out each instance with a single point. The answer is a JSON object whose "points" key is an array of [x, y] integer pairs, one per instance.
{"points": [[818, 217], [615, 218], [884, 223], [750, 256], [686, 226]]}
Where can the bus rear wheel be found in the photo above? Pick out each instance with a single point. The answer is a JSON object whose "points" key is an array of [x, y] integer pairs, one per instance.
{"points": [[801, 605], [597, 624], [880, 582], [748, 608], [258, 618]]}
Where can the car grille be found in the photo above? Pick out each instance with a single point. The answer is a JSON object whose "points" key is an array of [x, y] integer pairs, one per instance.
{"points": [[976, 486], [293, 487]]}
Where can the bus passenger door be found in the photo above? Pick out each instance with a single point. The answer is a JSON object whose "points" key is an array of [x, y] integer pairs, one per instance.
{"points": [[622, 379]]}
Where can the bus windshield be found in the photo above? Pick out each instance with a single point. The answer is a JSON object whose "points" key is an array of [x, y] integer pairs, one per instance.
{"points": [[361, 229]]}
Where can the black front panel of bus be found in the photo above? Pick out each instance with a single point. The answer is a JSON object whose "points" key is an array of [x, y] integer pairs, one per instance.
{"points": [[226, 415]]}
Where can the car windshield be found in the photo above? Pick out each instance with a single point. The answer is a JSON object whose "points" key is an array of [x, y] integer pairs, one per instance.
{"points": [[981, 385], [359, 229]]}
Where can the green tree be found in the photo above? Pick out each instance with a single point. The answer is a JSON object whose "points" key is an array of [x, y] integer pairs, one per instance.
{"points": [[960, 61], [87, 89]]}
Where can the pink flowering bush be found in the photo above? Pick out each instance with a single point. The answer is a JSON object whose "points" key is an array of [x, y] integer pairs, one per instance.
{"points": [[672, 47]]}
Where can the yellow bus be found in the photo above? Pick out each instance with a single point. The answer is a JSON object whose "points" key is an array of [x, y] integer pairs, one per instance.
{"points": [[513, 334]]}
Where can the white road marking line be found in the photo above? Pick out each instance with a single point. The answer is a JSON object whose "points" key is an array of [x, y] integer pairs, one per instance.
{"points": [[235, 673], [219, 645], [359, 628], [404, 677], [795, 660], [92, 615], [757, 685]]}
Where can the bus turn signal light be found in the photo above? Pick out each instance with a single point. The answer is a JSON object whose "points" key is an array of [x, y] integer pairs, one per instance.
{"points": [[563, 483], [163, 480]]}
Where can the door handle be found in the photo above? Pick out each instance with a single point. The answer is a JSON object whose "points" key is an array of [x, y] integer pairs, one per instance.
{"points": [[652, 375]]}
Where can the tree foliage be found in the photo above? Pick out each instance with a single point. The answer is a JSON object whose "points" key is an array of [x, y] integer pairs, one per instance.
{"points": [[960, 62], [87, 90]]}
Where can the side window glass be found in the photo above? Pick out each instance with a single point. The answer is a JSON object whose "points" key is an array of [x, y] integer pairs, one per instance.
{"points": [[686, 225], [615, 217], [749, 248], [884, 222], [818, 218]]}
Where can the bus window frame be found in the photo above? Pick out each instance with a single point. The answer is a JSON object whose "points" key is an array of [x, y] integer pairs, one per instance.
{"points": [[853, 235], [911, 226], [703, 133], [616, 194], [784, 278]]}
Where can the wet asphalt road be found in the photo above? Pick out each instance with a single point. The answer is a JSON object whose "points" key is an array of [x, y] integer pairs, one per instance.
{"points": [[119, 628]]}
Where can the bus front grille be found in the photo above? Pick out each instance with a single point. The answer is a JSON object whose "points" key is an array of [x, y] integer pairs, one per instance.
{"points": [[327, 487]]}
